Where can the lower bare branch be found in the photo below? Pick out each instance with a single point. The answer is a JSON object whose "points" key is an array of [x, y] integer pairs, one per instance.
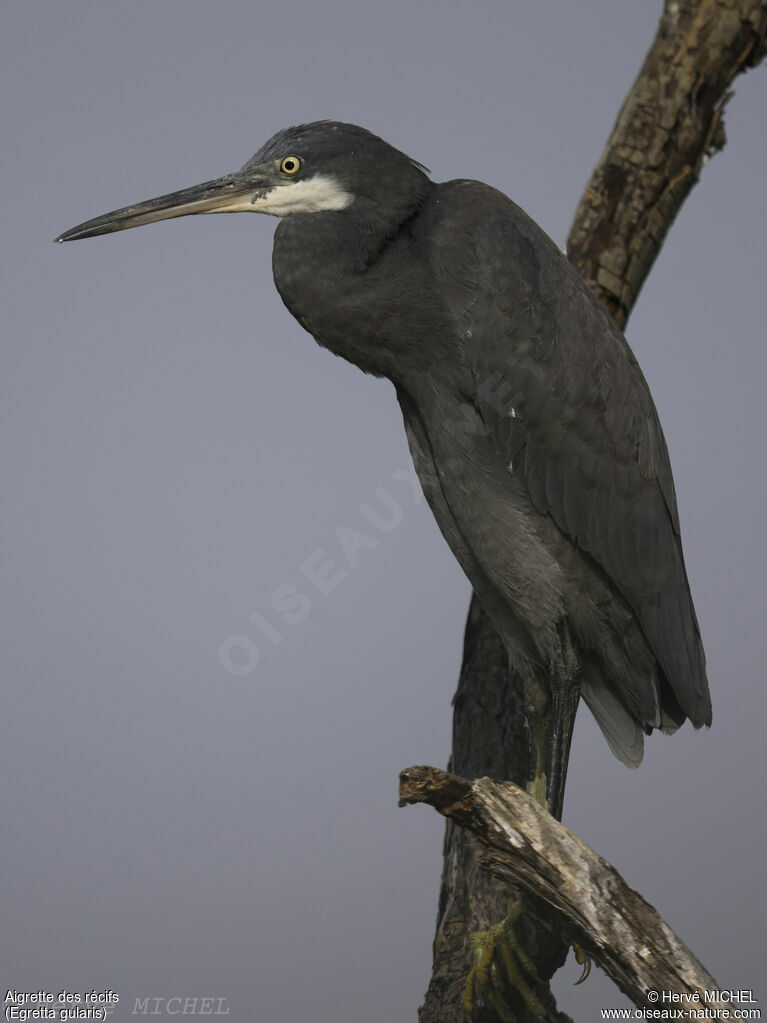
{"points": [[519, 842]]}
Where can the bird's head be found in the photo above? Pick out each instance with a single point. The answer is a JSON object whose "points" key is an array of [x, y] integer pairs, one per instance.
{"points": [[313, 168]]}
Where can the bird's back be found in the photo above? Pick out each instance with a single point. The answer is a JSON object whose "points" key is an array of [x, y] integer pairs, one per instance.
{"points": [[568, 413]]}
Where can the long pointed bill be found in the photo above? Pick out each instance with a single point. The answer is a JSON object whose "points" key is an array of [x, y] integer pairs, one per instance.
{"points": [[230, 194]]}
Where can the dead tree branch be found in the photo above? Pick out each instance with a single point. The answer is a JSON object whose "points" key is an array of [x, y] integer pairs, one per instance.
{"points": [[519, 842], [670, 123]]}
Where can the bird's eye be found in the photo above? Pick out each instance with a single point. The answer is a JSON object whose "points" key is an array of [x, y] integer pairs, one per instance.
{"points": [[290, 165]]}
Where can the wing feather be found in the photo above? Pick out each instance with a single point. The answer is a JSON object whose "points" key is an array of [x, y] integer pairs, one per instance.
{"points": [[570, 412]]}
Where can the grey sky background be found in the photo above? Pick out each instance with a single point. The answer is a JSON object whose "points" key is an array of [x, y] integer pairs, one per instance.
{"points": [[175, 448]]}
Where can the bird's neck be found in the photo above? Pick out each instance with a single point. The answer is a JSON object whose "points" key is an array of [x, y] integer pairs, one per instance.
{"points": [[347, 275]]}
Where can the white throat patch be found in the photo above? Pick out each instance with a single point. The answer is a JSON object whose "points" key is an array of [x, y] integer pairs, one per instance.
{"points": [[310, 195]]}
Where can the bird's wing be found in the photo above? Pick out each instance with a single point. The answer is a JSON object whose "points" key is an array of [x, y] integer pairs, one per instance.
{"points": [[570, 412]]}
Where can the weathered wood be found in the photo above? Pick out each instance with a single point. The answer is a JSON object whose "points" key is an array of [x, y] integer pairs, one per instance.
{"points": [[670, 123], [522, 844]]}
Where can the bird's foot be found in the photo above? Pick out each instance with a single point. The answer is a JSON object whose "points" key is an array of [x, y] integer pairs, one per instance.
{"points": [[501, 963]]}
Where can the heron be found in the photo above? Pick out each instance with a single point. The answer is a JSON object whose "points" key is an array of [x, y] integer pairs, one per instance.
{"points": [[531, 426]]}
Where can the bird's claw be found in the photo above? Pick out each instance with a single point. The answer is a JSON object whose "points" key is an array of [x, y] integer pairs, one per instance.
{"points": [[501, 962], [583, 959]]}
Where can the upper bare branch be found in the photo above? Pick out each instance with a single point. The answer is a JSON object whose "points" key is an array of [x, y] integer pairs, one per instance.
{"points": [[670, 123]]}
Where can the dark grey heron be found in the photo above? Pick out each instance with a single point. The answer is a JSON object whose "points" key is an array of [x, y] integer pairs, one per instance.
{"points": [[531, 426]]}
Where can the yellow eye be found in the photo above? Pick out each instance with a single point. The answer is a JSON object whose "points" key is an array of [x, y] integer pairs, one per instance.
{"points": [[290, 165]]}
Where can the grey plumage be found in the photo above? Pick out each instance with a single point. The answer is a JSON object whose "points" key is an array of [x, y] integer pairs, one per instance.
{"points": [[531, 426]]}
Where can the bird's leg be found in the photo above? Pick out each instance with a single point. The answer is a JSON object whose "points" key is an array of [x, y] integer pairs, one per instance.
{"points": [[550, 710], [502, 967], [501, 962], [537, 712], [550, 723], [565, 696]]}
